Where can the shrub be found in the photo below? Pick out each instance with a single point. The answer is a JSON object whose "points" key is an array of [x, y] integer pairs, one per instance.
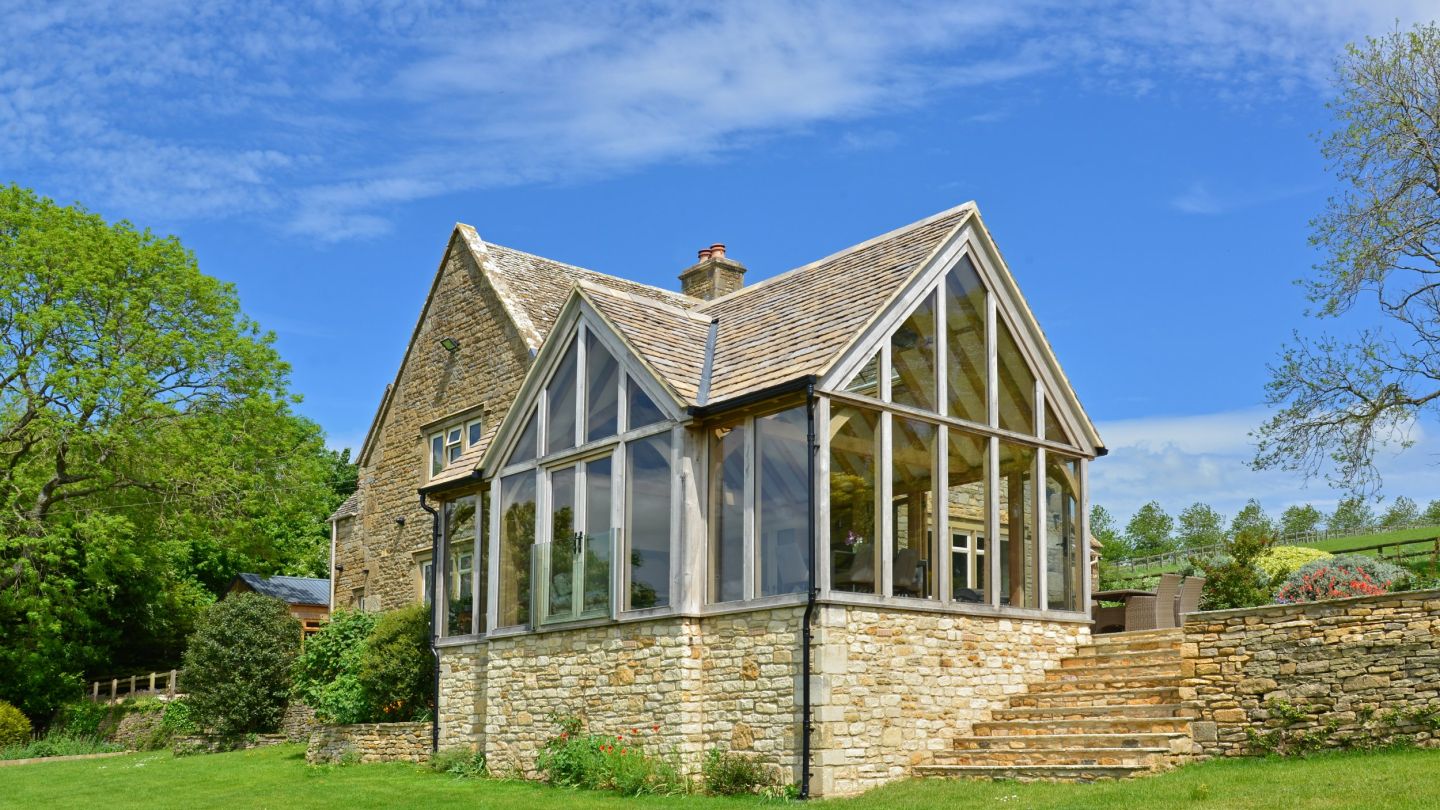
{"points": [[576, 759], [731, 774], [1278, 562], [460, 762], [326, 671], [59, 744], [238, 665], [1341, 577], [81, 718], [397, 670], [14, 725], [1233, 579]]}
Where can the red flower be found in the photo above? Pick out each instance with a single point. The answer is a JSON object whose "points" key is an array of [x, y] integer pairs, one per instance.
{"points": [[655, 727]]}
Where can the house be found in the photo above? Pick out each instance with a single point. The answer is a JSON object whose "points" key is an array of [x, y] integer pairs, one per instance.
{"points": [[825, 519], [307, 597]]}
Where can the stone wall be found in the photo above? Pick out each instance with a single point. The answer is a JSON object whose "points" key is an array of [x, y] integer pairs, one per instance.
{"points": [[895, 686], [298, 722], [462, 696], [484, 373], [1324, 674], [369, 742]]}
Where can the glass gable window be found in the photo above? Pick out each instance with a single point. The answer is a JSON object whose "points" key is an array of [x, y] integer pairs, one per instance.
{"points": [[782, 501], [647, 517], [727, 512], [1018, 569], [866, 381], [912, 359], [1017, 383], [913, 472], [967, 500], [602, 390], [560, 400], [854, 536], [517, 536], [967, 366], [576, 560], [642, 410], [1064, 552], [525, 446], [1053, 430]]}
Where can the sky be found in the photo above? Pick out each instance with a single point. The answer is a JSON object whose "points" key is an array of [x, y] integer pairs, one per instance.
{"points": [[1148, 169]]}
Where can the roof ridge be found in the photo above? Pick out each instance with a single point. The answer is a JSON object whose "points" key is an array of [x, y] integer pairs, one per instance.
{"points": [[677, 296], [855, 248]]}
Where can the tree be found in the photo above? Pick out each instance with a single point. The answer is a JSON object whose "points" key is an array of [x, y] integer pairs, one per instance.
{"points": [[1102, 528], [1150, 530], [1198, 526], [1340, 399], [1352, 514], [238, 665], [1252, 517], [1432, 513], [1233, 578], [148, 450], [1300, 518], [1402, 512]]}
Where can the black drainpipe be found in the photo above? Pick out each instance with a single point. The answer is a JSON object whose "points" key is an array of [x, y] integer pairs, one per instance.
{"points": [[805, 634], [434, 631]]}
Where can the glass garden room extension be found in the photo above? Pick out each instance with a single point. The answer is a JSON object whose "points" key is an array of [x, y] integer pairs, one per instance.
{"points": [[949, 469]]}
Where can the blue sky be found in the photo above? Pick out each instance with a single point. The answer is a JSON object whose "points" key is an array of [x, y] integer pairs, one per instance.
{"points": [[1147, 168]]}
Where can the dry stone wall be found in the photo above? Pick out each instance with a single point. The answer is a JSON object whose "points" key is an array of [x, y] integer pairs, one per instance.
{"points": [[1340, 673], [369, 742], [462, 696]]}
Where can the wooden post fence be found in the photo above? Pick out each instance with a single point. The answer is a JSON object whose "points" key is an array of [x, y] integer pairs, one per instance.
{"points": [[152, 683]]}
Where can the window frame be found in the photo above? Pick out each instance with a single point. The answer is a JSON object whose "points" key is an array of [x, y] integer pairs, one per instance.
{"points": [[439, 440]]}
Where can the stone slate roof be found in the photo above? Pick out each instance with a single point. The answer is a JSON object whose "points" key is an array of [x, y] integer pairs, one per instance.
{"points": [[350, 508], [294, 590]]}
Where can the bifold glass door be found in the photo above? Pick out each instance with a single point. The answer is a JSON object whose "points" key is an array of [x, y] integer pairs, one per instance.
{"points": [[575, 562]]}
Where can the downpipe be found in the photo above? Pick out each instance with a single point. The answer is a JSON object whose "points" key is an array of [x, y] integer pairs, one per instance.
{"points": [[806, 636], [434, 630]]}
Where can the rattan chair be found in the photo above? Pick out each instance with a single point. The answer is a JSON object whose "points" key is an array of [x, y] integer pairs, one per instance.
{"points": [[1154, 612], [1189, 600]]}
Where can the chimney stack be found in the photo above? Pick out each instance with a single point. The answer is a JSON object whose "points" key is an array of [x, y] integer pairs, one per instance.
{"points": [[713, 275]]}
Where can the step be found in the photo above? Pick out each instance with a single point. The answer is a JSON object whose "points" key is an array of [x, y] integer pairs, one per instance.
{"points": [[1100, 725], [1142, 658], [1106, 683], [1122, 757], [1065, 711], [1125, 671], [1144, 641], [1172, 742], [1028, 773], [1095, 697]]}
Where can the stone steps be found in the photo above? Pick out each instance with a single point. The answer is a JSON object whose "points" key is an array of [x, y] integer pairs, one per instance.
{"points": [[1111, 711]]}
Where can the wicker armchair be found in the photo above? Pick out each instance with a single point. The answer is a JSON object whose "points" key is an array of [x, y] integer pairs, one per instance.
{"points": [[1154, 612]]}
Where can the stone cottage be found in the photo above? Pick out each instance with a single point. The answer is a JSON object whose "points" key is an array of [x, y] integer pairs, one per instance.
{"points": [[826, 519]]}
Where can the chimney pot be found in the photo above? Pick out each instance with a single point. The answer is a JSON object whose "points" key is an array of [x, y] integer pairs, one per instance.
{"points": [[704, 254], [712, 275], [717, 251]]}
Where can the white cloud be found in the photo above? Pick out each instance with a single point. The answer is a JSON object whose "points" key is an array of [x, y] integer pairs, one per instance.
{"points": [[1200, 198], [1179, 460], [326, 121]]}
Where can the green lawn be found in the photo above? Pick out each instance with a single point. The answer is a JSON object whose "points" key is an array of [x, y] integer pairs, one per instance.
{"points": [[279, 778]]}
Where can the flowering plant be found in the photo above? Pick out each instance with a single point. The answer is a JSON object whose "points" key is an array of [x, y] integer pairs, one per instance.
{"points": [[1340, 578], [618, 762]]}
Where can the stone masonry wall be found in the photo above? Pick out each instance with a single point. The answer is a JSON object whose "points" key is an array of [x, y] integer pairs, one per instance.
{"points": [[484, 372], [462, 696], [1323, 674], [896, 686], [369, 742]]}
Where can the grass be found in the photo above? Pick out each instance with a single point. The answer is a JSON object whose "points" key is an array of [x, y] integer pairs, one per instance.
{"points": [[278, 777], [58, 745]]}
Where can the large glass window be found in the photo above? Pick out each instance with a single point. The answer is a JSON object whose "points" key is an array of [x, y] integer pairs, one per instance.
{"points": [[1018, 569], [727, 513], [459, 521], [517, 536], [782, 501], [913, 469], [1063, 549], [912, 359], [641, 409], [602, 390], [576, 560], [854, 535], [560, 420], [525, 446], [1017, 383], [867, 380], [965, 355], [1054, 431], [647, 521], [968, 500]]}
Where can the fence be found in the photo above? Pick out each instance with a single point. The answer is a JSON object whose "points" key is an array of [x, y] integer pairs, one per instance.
{"points": [[1291, 539], [152, 683]]}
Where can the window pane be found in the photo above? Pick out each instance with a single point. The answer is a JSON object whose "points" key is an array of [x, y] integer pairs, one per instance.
{"points": [[1053, 431], [965, 348], [474, 434], [517, 535], [560, 421], [867, 380], [913, 459], [854, 546], [1017, 528], [647, 522], [968, 499], [642, 410], [525, 446], [912, 358], [437, 454], [1064, 553], [452, 453], [1017, 384], [599, 538], [782, 500], [602, 390], [453, 437], [727, 513], [427, 583], [458, 534], [559, 598]]}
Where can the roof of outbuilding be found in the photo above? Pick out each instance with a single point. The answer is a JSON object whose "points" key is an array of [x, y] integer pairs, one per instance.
{"points": [[350, 508], [294, 590]]}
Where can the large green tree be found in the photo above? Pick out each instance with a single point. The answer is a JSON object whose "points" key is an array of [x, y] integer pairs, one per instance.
{"points": [[1199, 525], [1252, 518], [1104, 529], [1150, 530], [148, 449], [1300, 518], [1341, 398]]}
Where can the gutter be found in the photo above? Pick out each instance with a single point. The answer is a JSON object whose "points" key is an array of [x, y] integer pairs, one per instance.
{"points": [[434, 606], [797, 385], [806, 637]]}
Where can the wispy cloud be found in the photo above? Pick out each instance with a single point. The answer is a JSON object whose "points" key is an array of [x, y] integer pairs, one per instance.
{"points": [[1200, 198], [326, 122]]}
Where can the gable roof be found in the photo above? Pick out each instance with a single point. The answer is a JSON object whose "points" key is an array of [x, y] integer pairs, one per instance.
{"points": [[293, 590], [350, 508]]}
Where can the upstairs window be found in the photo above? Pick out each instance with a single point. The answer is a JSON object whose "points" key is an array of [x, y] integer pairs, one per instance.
{"points": [[451, 442]]}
